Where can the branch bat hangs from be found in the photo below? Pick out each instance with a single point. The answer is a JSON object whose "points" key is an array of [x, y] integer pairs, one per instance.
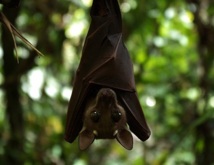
{"points": [[105, 63]]}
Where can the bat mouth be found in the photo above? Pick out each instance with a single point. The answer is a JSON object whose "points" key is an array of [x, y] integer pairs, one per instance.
{"points": [[106, 135]]}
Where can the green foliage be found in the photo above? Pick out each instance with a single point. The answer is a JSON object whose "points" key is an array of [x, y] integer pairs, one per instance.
{"points": [[163, 43]]}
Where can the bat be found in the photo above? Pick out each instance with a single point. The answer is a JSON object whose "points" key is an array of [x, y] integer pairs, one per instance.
{"points": [[104, 118], [105, 63]]}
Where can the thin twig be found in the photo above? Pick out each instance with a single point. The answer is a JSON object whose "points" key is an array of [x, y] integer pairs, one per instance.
{"points": [[14, 32]]}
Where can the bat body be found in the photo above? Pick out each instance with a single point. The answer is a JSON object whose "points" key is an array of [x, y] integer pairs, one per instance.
{"points": [[105, 63]]}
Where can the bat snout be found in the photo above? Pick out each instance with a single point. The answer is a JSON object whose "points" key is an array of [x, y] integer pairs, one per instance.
{"points": [[106, 93], [106, 96]]}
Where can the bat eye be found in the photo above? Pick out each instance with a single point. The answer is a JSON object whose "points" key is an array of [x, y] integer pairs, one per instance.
{"points": [[116, 116], [95, 116]]}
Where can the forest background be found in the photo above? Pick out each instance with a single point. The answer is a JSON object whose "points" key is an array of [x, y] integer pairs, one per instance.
{"points": [[171, 44]]}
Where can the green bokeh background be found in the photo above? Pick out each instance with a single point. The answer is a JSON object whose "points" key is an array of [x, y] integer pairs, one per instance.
{"points": [[171, 44]]}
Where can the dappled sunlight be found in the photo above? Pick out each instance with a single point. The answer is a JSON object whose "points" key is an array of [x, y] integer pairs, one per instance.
{"points": [[87, 2], [52, 87], [66, 93], [33, 86], [211, 101], [150, 101], [75, 28]]}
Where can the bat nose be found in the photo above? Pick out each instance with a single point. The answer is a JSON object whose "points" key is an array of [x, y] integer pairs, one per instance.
{"points": [[106, 96], [106, 93]]}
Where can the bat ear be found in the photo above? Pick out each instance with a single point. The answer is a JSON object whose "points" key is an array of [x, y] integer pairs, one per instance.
{"points": [[86, 138], [124, 137]]}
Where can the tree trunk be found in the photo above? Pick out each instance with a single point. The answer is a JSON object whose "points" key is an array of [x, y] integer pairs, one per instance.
{"points": [[14, 147], [205, 29]]}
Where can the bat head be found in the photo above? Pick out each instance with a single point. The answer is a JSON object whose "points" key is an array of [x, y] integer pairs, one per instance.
{"points": [[104, 118]]}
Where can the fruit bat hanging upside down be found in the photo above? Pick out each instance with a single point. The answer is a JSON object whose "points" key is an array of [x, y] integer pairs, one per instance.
{"points": [[104, 99]]}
